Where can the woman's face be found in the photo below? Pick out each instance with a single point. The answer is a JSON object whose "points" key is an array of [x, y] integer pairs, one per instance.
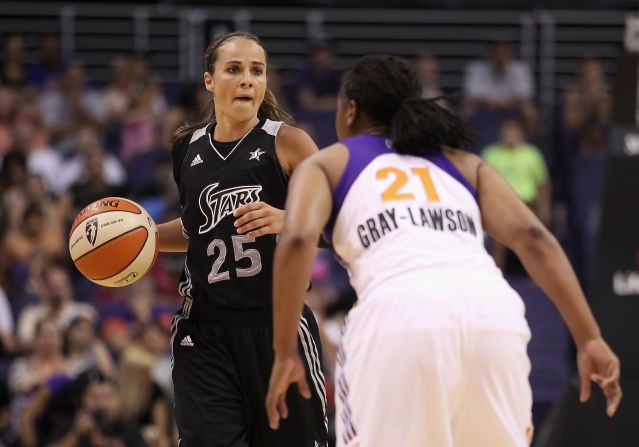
{"points": [[591, 72], [48, 340], [238, 82], [81, 334], [511, 134]]}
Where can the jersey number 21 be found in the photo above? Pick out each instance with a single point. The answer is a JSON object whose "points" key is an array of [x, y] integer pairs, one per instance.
{"points": [[401, 178]]}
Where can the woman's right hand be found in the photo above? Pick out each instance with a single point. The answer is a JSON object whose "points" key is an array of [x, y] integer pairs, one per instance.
{"points": [[596, 362], [258, 218]]}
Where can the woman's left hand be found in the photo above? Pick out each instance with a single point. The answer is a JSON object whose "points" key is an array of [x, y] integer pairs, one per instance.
{"points": [[258, 218]]}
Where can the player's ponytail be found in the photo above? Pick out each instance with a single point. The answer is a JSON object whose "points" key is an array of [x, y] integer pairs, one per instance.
{"points": [[268, 109], [421, 125], [207, 114], [271, 109]]}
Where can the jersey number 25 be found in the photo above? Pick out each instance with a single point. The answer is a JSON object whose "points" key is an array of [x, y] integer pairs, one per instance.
{"points": [[240, 253]]}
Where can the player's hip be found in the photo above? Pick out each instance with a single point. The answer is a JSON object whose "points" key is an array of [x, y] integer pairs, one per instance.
{"points": [[480, 305]]}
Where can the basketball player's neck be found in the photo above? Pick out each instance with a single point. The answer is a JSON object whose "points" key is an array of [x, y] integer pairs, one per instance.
{"points": [[228, 129], [363, 125]]}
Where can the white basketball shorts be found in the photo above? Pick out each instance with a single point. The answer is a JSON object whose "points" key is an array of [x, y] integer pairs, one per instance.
{"points": [[435, 365]]}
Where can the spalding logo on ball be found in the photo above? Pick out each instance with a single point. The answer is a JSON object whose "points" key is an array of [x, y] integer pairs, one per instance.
{"points": [[113, 241]]}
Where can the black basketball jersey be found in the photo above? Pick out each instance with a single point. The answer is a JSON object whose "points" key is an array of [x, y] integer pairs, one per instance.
{"points": [[224, 268]]}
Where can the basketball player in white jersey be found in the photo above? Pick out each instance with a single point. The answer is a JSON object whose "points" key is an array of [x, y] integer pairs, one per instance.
{"points": [[434, 352]]}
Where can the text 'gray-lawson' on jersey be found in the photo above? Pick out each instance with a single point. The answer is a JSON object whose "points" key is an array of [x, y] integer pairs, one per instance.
{"points": [[224, 268]]}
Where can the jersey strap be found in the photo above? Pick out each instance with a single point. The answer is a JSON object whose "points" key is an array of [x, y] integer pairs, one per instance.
{"points": [[362, 150], [442, 162]]}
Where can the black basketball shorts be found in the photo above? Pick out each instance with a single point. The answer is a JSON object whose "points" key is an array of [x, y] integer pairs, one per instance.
{"points": [[222, 362]]}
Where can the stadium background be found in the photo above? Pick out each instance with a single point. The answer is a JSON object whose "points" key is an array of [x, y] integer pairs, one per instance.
{"points": [[90, 94]]}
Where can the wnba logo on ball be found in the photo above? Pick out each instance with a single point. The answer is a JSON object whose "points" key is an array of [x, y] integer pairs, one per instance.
{"points": [[216, 205], [91, 230]]}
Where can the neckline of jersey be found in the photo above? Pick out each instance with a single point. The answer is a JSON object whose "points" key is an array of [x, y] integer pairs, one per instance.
{"points": [[209, 132]]}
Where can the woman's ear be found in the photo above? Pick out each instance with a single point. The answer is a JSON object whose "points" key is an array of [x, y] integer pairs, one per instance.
{"points": [[351, 113], [208, 81]]}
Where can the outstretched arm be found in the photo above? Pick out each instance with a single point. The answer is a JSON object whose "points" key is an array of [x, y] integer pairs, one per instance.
{"points": [[171, 236], [308, 208], [512, 223]]}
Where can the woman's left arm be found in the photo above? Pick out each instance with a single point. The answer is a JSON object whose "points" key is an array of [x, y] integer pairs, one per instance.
{"points": [[308, 208]]}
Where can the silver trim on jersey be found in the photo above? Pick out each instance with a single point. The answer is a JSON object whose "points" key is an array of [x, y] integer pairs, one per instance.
{"points": [[312, 358], [234, 147], [272, 127], [349, 433], [184, 232], [198, 134]]}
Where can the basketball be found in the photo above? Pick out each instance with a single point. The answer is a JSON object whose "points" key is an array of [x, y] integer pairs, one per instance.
{"points": [[113, 242]]}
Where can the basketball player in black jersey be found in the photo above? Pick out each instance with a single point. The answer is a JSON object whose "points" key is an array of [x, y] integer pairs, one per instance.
{"points": [[232, 172]]}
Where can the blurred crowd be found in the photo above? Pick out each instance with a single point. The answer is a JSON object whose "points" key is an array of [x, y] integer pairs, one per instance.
{"points": [[88, 366]]}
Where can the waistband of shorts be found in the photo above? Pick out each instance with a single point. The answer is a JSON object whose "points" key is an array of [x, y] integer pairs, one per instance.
{"points": [[224, 316]]}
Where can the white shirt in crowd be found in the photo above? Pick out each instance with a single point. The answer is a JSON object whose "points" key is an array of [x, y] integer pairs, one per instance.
{"points": [[481, 81]]}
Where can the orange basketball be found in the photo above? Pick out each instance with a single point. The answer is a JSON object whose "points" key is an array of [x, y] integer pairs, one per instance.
{"points": [[113, 241]]}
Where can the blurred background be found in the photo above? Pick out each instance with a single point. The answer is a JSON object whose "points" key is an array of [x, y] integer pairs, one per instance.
{"points": [[90, 94]]}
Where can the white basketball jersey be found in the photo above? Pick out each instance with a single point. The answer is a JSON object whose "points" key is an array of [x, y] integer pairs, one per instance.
{"points": [[399, 218]]}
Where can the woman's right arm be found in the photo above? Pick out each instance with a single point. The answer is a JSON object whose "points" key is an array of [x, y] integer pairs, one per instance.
{"points": [[507, 219], [172, 237]]}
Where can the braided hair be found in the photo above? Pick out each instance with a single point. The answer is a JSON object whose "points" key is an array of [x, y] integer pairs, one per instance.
{"points": [[387, 89]]}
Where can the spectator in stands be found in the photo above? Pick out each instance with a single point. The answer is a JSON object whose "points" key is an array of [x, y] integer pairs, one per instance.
{"points": [[37, 194], [144, 180], [72, 105], [34, 237], [117, 94], [7, 341], [32, 139], [12, 71], [14, 179], [524, 168], [37, 232], [143, 399], [144, 82], [48, 70], [276, 84], [99, 421], [587, 107], [318, 81], [316, 87], [84, 351], [192, 98], [45, 366], [138, 125], [7, 116], [85, 140], [56, 302], [7, 438], [115, 332], [92, 185], [146, 106], [496, 88], [124, 326], [427, 67]]}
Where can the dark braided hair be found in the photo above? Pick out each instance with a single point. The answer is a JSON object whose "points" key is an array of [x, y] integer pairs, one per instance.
{"points": [[387, 89], [268, 109]]}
